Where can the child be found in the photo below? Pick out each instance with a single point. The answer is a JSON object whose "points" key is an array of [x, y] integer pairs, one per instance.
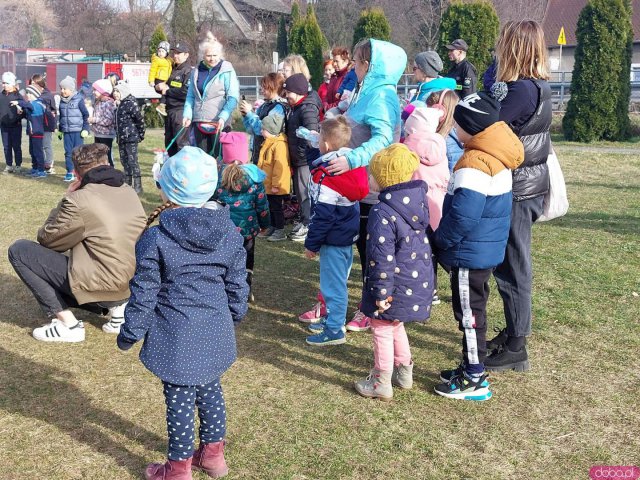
{"points": [[447, 101], [422, 139], [398, 282], [74, 121], [189, 339], [130, 131], [274, 161], [334, 227], [472, 235], [242, 190], [11, 123], [34, 110], [305, 112], [159, 72], [103, 120], [51, 125]]}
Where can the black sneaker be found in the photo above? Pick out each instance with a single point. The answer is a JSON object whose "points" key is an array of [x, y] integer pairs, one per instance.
{"points": [[497, 341], [462, 387], [448, 375], [502, 359]]}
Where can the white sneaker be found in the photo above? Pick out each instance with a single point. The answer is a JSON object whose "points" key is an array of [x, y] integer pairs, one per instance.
{"points": [[296, 226], [300, 235], [8, 169], [116, 319], [56, 331]]}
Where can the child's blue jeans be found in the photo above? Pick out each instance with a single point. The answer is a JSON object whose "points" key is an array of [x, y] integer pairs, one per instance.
{"points": [[71, 141], [335, 266]]}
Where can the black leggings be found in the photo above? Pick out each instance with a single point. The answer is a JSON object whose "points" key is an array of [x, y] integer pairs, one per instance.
{"points": [[361, 244], [250, 247], [109, 143], [276, 209]]}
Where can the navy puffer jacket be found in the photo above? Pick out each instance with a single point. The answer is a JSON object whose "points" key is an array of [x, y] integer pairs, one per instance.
{"points": [[188, 290], [399, 255]]}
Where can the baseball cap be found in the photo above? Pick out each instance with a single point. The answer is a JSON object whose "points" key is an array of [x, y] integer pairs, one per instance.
{"points": [[458, 44], [180, 48]]}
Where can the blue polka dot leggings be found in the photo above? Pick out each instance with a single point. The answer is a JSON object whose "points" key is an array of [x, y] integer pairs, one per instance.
{"points": [[181, 400]]}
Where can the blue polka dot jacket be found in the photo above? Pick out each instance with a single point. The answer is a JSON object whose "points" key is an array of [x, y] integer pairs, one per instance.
{"points": [[188, 290], [399, 261]]}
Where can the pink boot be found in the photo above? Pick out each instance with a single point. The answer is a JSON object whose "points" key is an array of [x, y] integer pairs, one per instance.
{"points": [[172, 470], [210, 459]]}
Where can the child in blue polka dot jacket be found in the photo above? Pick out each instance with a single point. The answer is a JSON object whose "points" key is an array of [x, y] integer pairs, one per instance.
{"points": [[398, 282], [188, 291]]}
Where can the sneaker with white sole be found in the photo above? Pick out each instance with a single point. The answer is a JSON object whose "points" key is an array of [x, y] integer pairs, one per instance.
{"points": [[116, 319], [56, 331], [463, 387], [8, 169], [314, 315], [327, 337], [300, 235], [277, 236], [359, 323]]}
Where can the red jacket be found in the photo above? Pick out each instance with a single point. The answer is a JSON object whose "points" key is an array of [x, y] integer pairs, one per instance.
{"points": [[332, 89]]}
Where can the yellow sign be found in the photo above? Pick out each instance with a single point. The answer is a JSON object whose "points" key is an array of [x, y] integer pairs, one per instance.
{"points": [[562, 40]]}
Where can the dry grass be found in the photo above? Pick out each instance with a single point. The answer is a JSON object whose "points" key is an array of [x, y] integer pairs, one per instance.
{"points": [[88, 411]]}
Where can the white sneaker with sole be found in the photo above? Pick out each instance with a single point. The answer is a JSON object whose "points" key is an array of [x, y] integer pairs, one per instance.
{"points": [[56, 331], [116, 319]]}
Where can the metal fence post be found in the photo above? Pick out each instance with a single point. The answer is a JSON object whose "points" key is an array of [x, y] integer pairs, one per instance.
{"points": [[562, 90], [258, 87]]}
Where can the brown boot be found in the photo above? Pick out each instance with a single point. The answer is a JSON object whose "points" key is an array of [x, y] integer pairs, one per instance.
{"points": [[172, 470], [209, 458]]}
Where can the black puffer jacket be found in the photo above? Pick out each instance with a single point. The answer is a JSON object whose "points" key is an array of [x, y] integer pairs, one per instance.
{"points": [[9, 115], [531, 178], [306, 114], [129, 122]]}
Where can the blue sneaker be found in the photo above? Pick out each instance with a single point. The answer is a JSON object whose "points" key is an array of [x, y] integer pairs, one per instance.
{"points": [[321, 325], [462, 387], [327, 337], [39, 174], [69, 177], [32, 172]]}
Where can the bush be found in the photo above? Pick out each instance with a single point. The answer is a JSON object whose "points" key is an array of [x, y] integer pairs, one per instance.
{"points": [[157, 37], [308, 41], [599, 88], [477, 24], [152, 119], [372, 24]]}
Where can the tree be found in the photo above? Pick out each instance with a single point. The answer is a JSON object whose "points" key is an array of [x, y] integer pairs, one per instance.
{"points": [[308, 41], [477, 24], [183, 24], [36, 40], [623, 130], [423, 18], [18, 19], [157, 36], [297, 28], [372, 24], [281, 44], [599, 86]]}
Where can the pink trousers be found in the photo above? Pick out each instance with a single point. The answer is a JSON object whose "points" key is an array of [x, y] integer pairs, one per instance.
{"points": [[390, 345]]}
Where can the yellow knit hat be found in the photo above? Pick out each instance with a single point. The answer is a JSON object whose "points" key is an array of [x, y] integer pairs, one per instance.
{"points": [[395, 164]]}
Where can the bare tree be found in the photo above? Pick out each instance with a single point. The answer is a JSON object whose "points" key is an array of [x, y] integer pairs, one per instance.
{"points": [[520, 9], [17, 18], [138, 27], [423, 19]]}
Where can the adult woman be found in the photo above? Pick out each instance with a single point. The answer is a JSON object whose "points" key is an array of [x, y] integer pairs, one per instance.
{"points": [[426, 72], [374, 115], [213, 94], [270, 88], [341, 63], [323, 90], [522, 64]]}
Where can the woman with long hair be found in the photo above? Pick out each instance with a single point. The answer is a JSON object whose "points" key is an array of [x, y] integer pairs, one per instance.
{"points": [[526, 107]]}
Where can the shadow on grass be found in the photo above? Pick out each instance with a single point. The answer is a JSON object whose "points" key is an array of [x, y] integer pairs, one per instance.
{"points": [[612, 186], [45, 393], [607, 222]]}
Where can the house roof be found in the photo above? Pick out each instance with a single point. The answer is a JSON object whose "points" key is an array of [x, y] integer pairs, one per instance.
{"points": [[268, 5], [565, 13]]}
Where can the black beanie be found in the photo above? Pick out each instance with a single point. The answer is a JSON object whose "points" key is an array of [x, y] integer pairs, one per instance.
{"points": [[476, 112], [297, 83]]}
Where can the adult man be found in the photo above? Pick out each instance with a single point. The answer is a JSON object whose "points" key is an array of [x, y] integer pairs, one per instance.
{"points": [[98, 222], [175, 91], [463, 71]]}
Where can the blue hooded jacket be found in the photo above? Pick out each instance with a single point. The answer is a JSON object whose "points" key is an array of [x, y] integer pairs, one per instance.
{"points": [[374, 112], [188, 290], [426, 88]]}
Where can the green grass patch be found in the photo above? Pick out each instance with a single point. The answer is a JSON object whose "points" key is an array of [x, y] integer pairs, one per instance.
{"points": [[88, 411]]}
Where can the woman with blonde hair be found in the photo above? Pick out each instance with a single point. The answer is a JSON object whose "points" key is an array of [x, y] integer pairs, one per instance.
{"points": [[525, 98], [213, 95]]}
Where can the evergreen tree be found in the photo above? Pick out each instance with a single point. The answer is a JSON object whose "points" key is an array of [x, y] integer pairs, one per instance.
{"points": [[477, 24], [623, 130], [183, 24], [297, 29], [282, 46], [600, 83], [157, 36], [372, 24], [306, 39], [36, 40]]}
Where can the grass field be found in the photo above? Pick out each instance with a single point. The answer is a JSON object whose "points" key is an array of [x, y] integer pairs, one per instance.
{"points": [[88, 411]]}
